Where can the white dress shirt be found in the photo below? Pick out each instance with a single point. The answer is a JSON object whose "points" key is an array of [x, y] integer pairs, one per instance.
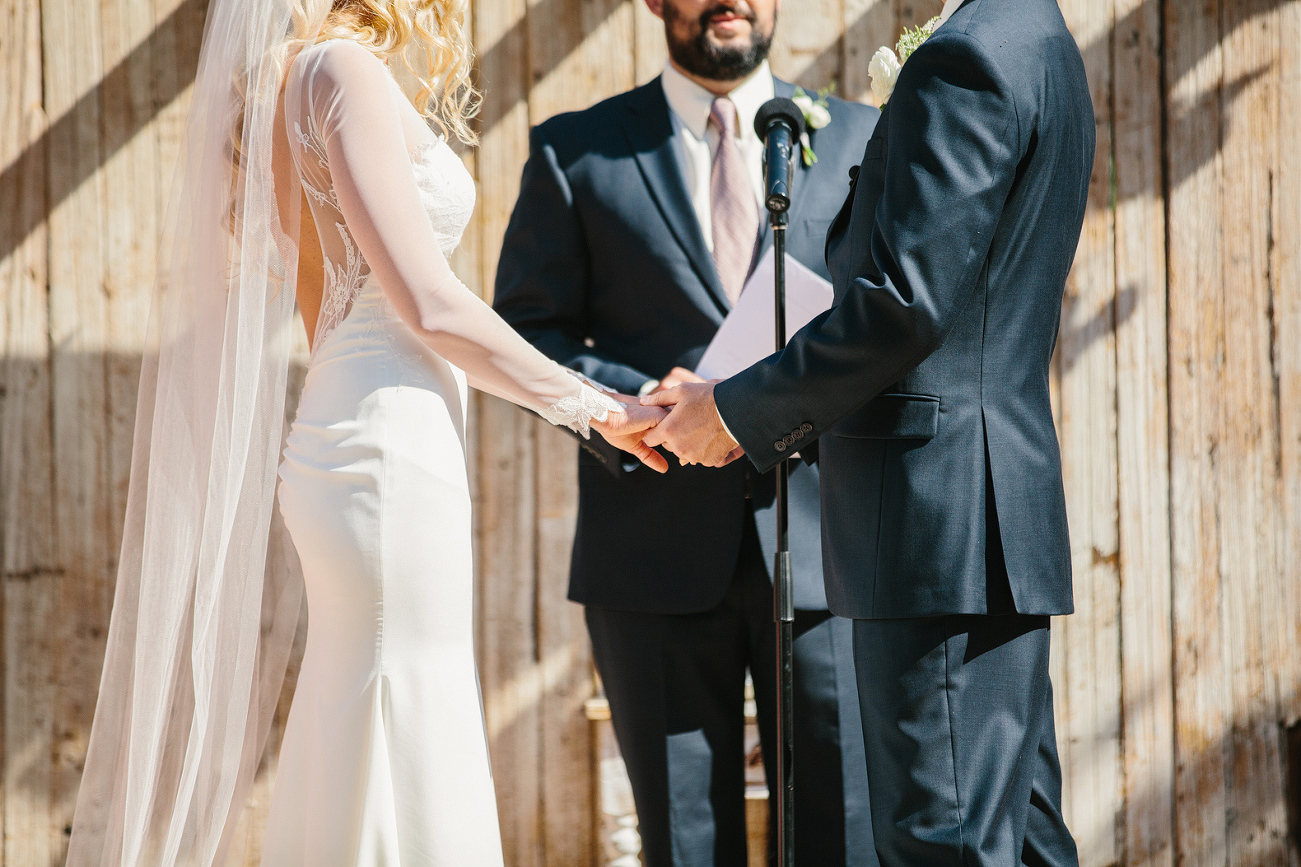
{"points": [[689, 108], [697, 139]]}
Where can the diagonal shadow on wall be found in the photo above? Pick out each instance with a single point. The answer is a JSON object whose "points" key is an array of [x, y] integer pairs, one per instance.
{"points": [[1097, 53], [186, 25]]}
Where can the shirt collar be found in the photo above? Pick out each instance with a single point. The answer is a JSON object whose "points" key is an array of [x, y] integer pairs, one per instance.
{"points": [[950, 6], [692, 103]]}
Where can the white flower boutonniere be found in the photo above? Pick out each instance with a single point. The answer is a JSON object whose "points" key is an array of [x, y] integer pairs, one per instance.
{"points": [[884, 70], [885, 65], [817, 114]]}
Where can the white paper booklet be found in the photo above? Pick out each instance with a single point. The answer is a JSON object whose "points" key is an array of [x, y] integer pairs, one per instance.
{"points": [[746, 335]]}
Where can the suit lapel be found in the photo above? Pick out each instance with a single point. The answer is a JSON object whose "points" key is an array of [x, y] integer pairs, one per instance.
{"points": [[799, 179], [650, 134]]}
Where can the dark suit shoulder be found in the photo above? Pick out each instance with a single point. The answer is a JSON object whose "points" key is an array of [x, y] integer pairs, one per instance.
{"points": [[840, 143], [573, 133], [857, 113], [852, 122], [1010, 45], [850, 117], [1011, 37]]}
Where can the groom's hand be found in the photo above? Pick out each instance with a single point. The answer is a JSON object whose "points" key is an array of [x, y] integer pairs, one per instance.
{"points": [[693, 431]]}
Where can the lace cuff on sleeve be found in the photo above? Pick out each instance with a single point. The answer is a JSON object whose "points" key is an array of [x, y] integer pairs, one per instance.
{"points": [[577, 412]]}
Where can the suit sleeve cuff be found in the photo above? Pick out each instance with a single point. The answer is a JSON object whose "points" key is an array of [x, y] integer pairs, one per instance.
{"points": [[763, 436], [723, 422]]}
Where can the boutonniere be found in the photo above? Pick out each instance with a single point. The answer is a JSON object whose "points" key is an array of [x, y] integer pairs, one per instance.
{"points": [[885, 65], [817, 114]]}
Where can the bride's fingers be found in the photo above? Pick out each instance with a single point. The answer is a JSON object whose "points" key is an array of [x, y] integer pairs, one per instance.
{"points": [[650, 457], [639, 418]]}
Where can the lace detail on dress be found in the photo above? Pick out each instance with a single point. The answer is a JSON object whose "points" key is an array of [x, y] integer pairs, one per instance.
{"points": [[311, 142], [578, 412], [343, 283], [343, 280], [411, 205], [446, 190]]}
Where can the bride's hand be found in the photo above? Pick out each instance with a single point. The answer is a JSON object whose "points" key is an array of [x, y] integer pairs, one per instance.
{"points": [[625, 430]]}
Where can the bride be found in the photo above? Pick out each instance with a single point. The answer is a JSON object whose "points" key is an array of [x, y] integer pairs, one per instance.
{"points": [[314, 178]]}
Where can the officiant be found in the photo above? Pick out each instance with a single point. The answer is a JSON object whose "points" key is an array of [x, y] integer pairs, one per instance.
{"points": [[637, 225]]}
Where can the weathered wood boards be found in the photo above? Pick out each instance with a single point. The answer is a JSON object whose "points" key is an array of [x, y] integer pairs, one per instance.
{"points": [[28, 561], [1286, 271], [1087, 645], [79, 340], [1222, 64], [1142, 427]]}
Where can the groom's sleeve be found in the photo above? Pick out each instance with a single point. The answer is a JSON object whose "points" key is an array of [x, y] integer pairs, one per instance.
{"points": [[954, 142], [543, 273]]}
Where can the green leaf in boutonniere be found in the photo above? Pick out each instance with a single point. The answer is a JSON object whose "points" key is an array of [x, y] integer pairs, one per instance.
{"points": [[817, 114], [885, 65], [913, 37]]}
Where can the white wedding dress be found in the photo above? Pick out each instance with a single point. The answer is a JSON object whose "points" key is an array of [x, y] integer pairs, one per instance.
{"points": [[385, 760]]}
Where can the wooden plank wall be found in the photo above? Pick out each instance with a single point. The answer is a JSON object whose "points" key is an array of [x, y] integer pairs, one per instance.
{"points": [[1177, 388]]}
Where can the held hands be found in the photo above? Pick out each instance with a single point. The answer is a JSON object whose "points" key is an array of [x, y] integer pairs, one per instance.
{"points": [[693, 430], [626, 430]]}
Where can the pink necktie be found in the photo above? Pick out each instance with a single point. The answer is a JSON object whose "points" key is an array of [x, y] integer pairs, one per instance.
{"points": [[733, 212]]}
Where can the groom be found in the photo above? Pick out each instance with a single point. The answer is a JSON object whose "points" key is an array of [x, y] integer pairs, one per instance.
{"points": [[637, 224], [927, 383]]}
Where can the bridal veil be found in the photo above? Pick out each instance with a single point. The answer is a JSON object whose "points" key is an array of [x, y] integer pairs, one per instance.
{"points": [[205, 609]]}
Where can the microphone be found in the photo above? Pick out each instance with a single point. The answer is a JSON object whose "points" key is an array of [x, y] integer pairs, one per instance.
{"points": [[780, 123]]}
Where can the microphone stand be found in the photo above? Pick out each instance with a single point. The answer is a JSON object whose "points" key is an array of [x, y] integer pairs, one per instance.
{"points": [[779, 122], [778, 202], [783, 589]]}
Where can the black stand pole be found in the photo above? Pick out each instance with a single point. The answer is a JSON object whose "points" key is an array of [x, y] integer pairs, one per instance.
{"points": [[783, 589], [780, 123]]}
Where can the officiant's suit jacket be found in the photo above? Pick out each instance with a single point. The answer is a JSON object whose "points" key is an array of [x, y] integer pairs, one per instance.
{"points": [[927, 381], [605, 269]]}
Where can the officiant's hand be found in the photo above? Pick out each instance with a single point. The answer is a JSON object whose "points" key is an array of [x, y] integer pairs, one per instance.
{"points": [[626, 430], [674, 378], [693, 431]]}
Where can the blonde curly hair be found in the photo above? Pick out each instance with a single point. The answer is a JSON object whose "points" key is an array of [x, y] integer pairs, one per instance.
{"points": [[432, 30]]}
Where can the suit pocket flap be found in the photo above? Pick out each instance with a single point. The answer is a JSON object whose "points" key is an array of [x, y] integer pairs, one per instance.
{"points": [[817, 229], [894, 417]]}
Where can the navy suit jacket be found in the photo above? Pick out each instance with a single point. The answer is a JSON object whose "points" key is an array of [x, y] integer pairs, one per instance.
{"points": [[927, 381], [604, 268]]}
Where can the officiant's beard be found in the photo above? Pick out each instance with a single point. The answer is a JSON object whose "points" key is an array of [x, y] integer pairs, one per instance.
{"points": [[700, 56]]}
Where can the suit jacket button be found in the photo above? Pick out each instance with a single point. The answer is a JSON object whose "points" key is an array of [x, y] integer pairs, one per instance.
{"points": [[853, 173], [779, 446], [798, 434], [789, 440], [806, 427]]}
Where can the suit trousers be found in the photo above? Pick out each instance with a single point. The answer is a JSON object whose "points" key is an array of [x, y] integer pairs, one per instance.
{"points": [[676, 682], [961, 746]]}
